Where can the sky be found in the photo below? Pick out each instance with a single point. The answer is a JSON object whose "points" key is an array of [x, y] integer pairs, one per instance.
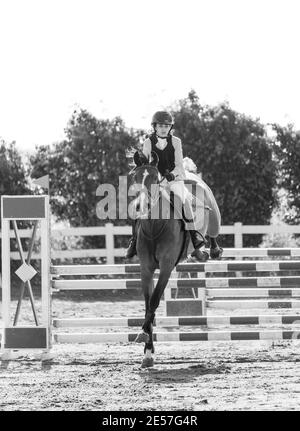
{"points": [[134, 57]]}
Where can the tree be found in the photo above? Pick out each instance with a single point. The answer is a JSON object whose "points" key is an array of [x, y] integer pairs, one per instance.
{"points": [[234, 155], [12, 171], [93, 153], [12, 176], [286, 147]]}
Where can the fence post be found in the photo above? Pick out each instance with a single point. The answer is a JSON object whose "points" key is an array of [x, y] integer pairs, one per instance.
{"points": [[109, 242], [238, 235], [29, 337]]}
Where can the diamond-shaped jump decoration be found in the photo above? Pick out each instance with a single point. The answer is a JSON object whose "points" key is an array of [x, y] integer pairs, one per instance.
{"points": [[25, 272]]}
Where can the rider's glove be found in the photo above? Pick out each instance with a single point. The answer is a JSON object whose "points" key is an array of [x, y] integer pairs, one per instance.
{"points": [[169, 176]]}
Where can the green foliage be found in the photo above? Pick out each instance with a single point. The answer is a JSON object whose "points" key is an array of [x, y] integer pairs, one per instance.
{"points": [[12, 171], [280, 241], [93, 153], [12, 176], [234, 155], [286, 147]]}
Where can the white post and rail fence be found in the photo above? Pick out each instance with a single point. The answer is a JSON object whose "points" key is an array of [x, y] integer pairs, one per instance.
{"points": [[109, 231]]}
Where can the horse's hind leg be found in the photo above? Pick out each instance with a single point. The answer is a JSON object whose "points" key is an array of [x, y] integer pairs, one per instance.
{"points": [[213, 230]]}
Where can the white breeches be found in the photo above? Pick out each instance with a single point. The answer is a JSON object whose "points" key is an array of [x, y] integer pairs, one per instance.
{"points": [[192, 211], [180, 190]]}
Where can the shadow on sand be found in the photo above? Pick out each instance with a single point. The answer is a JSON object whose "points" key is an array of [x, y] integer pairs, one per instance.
{"points": [[160, 374]]}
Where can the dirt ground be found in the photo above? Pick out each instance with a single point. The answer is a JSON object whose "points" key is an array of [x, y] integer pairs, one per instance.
{"points": [[192, 376]]}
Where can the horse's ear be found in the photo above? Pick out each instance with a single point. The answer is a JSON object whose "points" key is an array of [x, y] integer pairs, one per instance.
{"points": [[155, 158], [137, 158]]}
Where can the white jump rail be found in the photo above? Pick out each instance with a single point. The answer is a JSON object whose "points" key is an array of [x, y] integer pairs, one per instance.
{"points": [[267, 335], [208, 321], [210, 283], [209, 266]]}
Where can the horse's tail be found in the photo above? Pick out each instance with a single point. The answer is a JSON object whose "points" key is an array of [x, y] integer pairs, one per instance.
{"points": [[189, 165]]}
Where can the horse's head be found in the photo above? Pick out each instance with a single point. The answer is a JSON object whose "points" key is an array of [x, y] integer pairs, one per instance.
{"points": [[146, 172], [146, 175]]}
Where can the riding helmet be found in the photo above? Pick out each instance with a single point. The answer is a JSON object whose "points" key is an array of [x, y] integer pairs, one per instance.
{"points": [[162, 117]]}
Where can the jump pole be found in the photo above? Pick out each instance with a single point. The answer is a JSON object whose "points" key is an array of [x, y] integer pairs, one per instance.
{"points": [[19, 339]]}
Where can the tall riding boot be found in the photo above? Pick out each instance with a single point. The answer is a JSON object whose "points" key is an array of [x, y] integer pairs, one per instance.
{"points": [[199, 244], [131, 250]]}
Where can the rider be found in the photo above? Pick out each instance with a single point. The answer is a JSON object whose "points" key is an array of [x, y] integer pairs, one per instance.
{"points": [[170, 165]]}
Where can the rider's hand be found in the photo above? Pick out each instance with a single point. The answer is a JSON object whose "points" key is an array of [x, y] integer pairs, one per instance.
{"points": [[169, 176]]}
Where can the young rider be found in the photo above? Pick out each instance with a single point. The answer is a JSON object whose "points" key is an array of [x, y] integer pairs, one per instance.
{"points": [[170, 165]]}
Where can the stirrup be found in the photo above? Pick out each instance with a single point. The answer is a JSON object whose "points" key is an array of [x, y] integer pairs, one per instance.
{"points": [[198, 242]]}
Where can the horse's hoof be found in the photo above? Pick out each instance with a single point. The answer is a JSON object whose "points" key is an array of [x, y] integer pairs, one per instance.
{"points": [[142, 337], [147, 362], [205, 256], [216, 253]]}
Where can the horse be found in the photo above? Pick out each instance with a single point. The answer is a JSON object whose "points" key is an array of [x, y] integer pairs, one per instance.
{"points": [[161, 243]]}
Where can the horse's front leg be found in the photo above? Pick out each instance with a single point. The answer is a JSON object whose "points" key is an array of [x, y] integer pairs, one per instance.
{"points": [[150, 315], [165, 272], [149, 347], [147, 335]]}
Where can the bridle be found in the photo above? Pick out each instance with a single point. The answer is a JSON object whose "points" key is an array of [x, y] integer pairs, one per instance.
{"points": [[133, 171], [152, 200]]}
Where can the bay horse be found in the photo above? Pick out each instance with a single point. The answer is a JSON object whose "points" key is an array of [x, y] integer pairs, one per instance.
{"points": [[161, 243]]}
